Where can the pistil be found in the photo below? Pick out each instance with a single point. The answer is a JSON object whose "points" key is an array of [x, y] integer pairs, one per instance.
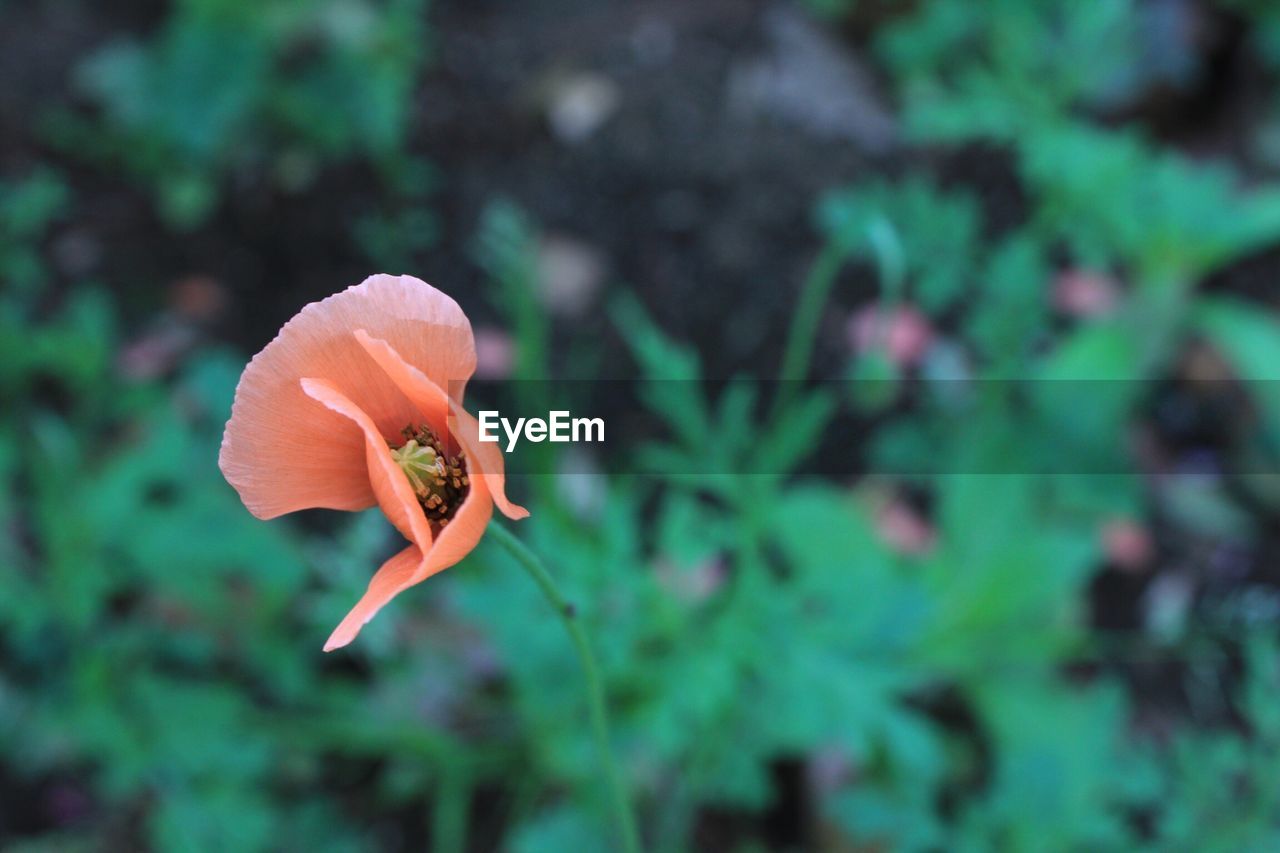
{"points": [[439, 480]]}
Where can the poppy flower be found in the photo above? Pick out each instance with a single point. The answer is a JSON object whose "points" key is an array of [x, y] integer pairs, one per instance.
{"points": [[356, 402]]}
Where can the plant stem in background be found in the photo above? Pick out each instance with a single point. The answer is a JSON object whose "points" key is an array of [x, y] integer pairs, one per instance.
{"points": [[804, 323], [449, 821], [595, 692], [885, 246]]}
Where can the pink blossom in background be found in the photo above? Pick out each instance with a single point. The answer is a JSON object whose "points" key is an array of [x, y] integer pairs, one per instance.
{"points": [[1085, 293], [904, 333]]}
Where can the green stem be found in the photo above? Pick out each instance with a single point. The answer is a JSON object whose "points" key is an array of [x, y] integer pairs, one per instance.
{"points": [[449, 818], [804, 323], [595, 694]]}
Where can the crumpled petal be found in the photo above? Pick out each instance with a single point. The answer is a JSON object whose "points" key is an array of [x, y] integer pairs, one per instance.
{"points": [[282, 450], [411, 566], [395, 575], [398, 502], [394, 494], [485, 459]]}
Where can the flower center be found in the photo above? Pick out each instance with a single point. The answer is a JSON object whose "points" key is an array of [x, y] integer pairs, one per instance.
{"points": [[440, 481]]}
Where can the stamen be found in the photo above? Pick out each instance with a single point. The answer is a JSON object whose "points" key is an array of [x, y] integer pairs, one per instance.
{"points": [[439, 480]]}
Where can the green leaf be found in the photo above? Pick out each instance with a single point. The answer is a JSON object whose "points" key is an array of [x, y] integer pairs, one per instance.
{"points": [[1249, 338]]}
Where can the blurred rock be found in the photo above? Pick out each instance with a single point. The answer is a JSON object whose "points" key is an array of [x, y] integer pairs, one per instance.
{"points": [[1198, 499], [579, 104], [1172, 42], [679, 211], [76, 253], [813, 82], [581, 483], [653, 41], [1230, 562], [198, 298], [482, 660], [830, 769], [157, 352], [68, 803], [1257, 606], [1204, 365], [1166, 605], [495, 353], [949, 372], [195, 302], [569, 274], [691, 584]]}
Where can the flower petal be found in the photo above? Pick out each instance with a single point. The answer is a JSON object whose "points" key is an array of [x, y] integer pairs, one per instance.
{"points": [[410, 567], [395, 575], [391, 487], [284, 452], [487, 458], [486, 461]]}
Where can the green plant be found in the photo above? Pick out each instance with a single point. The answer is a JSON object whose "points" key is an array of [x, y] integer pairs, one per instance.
{"points": [[272, 91], [27, 208], [150, 626], [1004, 67]]}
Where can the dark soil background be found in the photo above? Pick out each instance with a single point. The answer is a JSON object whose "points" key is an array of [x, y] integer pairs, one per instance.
{"points": [[696, 198], [697, 189]]}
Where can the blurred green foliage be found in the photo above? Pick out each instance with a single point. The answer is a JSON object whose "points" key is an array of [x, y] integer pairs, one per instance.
{"points": [[273, 91], [160, 681]]}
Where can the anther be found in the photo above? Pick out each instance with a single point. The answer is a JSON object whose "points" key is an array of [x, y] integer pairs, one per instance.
{"points": [[439, 480]]}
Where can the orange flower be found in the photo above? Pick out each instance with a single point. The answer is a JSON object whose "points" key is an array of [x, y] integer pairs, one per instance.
{"points": [[358, 401]]}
